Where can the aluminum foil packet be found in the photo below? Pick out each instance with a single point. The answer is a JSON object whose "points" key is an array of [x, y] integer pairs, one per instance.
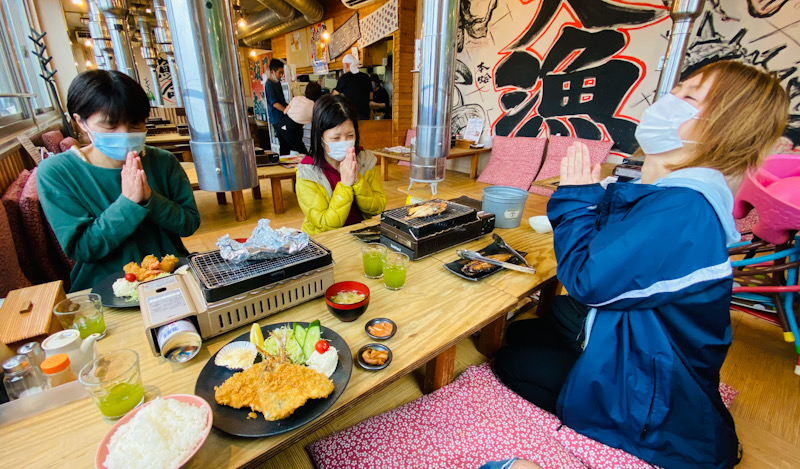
{"points": [[264, 243]]}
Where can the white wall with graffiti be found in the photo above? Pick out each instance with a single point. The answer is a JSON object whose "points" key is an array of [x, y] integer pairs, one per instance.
{"points": [[588, 68]]}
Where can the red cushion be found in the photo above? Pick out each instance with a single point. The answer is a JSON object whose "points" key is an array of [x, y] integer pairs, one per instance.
{"points": [[68, 143], [557, 150], [514, 161], [11, 199], [12, 277], [51, 260], [51, 140]]}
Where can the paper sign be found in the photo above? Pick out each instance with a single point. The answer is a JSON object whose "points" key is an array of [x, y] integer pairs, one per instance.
{"points": [[473, 130]]}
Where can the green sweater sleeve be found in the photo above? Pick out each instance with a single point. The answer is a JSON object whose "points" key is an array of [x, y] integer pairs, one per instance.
{"points": [[175, 211], [84, 237]]}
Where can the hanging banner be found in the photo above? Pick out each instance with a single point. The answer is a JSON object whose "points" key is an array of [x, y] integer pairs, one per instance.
{"points": [[319, 46], [344, 37], [379, 24], [164, 80], [259, 72]]}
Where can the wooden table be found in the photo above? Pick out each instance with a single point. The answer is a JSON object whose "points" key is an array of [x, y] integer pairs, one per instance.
{"points": [[275, 174], [474, 153], [171, 138], [434, 312]]}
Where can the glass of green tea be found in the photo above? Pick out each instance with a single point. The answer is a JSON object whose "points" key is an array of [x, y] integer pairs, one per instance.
{"points": [[82, 312], [114, 382], [395, 266], [372, 254]]}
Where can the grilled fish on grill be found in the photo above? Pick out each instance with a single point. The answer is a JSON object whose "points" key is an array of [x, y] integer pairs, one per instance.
{"points": [[475, 267], [426, 210]]}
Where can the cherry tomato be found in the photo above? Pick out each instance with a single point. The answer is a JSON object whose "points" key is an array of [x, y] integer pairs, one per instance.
{"points": [[130, 277], [322, 346]]}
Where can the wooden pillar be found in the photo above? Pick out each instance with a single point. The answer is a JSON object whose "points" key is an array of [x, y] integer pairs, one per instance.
{"points": [[403, 82]]}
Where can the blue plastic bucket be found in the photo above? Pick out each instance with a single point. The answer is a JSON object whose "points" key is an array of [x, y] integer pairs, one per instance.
{"points": [[507, 204]]}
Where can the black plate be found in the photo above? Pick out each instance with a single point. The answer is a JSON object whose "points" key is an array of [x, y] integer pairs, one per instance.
{"points": [[366, 365], [455, 266], [372, 322], [370, 234], [235, 421], [106, 292]]}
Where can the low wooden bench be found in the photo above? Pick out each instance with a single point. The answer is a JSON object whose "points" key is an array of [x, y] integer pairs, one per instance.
{"points": [[473, 153], [275, 174]]}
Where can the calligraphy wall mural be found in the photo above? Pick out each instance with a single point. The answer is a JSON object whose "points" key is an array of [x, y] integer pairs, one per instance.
{"points": [[588, 68]]}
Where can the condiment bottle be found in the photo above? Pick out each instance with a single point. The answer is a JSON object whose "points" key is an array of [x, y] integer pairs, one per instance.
{"points": [[22, 379], [179, 341], [57, 370], [34, 353]]}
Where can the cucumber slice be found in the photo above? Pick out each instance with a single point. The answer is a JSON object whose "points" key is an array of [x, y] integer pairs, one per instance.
{"points": [[299, 335], [313, 335]]}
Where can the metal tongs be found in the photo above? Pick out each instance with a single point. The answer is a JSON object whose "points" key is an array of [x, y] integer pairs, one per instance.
{"points": [[502, 245], [474, 256]]}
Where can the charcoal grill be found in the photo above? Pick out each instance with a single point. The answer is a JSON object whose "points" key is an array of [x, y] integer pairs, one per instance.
{"points": [[420, 237]]}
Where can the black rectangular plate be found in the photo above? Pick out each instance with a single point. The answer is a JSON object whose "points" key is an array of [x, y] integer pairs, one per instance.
{"points": [[455, 266], [369, 234]]}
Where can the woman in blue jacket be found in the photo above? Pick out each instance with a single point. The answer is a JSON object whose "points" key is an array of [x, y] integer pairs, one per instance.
{"points": [[632, 357]]}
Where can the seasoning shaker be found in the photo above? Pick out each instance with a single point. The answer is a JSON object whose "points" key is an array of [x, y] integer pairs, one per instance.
{"points": [[22, 379], [57, 370], [34, 353]]}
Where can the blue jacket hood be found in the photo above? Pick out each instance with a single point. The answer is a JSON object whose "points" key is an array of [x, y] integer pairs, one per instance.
{"points": [[711, 183]]}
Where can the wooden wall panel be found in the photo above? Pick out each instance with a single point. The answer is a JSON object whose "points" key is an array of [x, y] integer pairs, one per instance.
{"points": [[402, 99], [11, 164]]}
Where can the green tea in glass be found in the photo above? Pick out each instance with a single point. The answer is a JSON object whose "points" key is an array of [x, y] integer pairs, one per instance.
{"points": [[395, 266], [82, 312], [114, 382], [372, 254]]}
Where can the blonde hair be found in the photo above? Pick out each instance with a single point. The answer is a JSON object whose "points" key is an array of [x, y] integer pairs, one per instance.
{"points": [[746, 111]]}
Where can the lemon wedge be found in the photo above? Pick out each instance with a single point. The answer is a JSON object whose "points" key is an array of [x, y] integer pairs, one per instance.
{"points": [[256, 337]]}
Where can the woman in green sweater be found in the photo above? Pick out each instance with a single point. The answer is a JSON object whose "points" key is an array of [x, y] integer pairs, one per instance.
{"points": [[115, 200]]}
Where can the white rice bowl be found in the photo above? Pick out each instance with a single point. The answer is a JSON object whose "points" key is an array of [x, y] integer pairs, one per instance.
{"points": [[160, 435]]}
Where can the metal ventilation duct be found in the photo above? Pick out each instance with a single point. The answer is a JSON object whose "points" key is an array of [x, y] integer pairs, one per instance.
{"points": [[102, 48], [311, 10], [436, 79], [282, 9], [146, 21], [164, 40], [116, 15], [683, 14], [211, 86]]}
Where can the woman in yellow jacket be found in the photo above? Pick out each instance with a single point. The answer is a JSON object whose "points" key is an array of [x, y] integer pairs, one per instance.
{"points": [[335, 186]]}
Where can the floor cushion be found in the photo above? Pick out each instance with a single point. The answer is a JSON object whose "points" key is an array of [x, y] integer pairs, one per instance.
{"points": [[557, 150], [10, 199], [473, 420], [68, 143], [12, 277], [51, 140], [514, 161]]}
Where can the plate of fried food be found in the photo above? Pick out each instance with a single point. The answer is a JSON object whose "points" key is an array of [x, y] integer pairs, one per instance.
{"points": [[300, 371], [119, 290], [477, 270]]}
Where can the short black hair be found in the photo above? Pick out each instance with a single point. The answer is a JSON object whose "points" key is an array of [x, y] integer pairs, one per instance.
{"points": [[304, 79], [375, 78], [313, 91], [330, 111], [275, 65], [114, 94]]}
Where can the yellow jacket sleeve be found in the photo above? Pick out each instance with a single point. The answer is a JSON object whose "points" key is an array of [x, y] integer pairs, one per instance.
{"points": [[320, 213], [370, 197]]}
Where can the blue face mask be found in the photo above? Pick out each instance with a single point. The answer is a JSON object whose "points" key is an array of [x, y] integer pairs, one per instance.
{"points": [[338, 150], [658, 130], [117, 145]]}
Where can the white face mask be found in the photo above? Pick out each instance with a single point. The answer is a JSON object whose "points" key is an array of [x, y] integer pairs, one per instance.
{"points": [[658, 130], [338, 150]]}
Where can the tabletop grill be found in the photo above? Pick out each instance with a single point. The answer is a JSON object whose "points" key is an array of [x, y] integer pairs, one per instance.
{"points": [[420, 237]]}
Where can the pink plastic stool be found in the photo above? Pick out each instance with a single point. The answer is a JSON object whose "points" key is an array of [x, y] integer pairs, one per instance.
{"points": [[774, 191]]}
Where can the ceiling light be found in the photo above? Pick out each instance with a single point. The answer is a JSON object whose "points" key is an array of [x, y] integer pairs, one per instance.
{"points": [[326, 36], [252, 53], [88, 64], [241, 23], [77, 2], [88, 43], [148, 11]]}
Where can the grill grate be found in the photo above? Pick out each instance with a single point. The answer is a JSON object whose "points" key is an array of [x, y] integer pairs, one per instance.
{"points": [[452, 211], [214, 271]]}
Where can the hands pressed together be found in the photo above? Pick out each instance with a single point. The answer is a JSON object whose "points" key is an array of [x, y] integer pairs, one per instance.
{"points": [[134, 181], [576, 168], [348, 168]]}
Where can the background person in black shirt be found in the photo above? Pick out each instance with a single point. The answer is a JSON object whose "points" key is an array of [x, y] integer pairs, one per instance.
{"points": [[380, 98], [276, 103], [355, 85]]}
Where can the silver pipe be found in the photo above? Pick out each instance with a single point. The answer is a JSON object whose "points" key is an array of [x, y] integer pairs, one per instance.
{"points": [[102, 48], [164, 40], [149, 53], [211, 86], [311, 10], [284, 11], [683, 14], [116, 14], [436, 81]]}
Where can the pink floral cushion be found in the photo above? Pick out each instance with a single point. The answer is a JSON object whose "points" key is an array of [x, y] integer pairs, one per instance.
{"points": [[12, 277], [557, 150], [42, 244], [514, 161], [51, 140], [11, 199], [473, 420]]}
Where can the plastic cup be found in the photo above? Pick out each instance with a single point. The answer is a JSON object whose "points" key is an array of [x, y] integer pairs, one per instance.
{"points": [[114, 382], [82, 312], [395, 267], [372, 254]]}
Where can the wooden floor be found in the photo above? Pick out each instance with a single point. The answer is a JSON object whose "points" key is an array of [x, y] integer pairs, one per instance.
{"points": [[759, 364]]}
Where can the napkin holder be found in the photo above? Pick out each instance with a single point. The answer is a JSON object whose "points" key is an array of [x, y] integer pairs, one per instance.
{"points": [[27, 313]]}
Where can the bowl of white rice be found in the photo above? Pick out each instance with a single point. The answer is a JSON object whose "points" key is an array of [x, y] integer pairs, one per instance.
{"points": [[162, 434]]}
